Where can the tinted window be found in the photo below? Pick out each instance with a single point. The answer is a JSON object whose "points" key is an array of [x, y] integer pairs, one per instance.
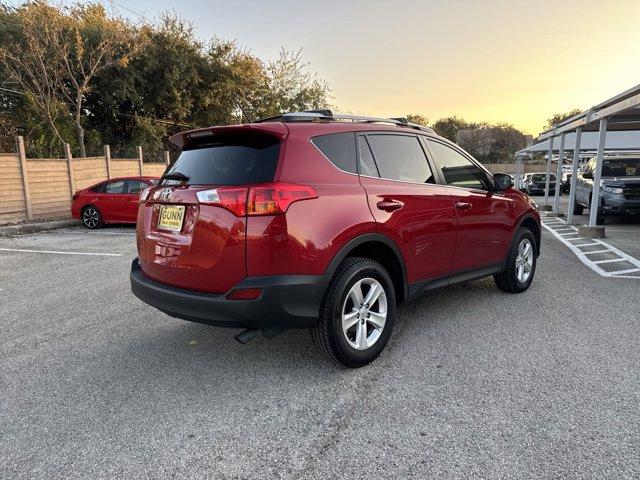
{"points": [[136, 186], [457, 169], [628, 167], [229, 160], [400, 157], [367, 164], [340, 148], [115, 187], [99, 188]]}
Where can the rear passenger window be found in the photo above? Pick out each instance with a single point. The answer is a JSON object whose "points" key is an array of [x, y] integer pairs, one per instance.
{"points": [[115, 187], [367, 164], [400, 157], [458, 170], [340, 148]]}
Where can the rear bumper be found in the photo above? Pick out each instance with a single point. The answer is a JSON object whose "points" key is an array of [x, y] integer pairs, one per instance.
{"points": [[287, 301]]}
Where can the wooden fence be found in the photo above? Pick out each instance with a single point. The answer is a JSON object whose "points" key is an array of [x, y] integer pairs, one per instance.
{"points": [[42, 188]]}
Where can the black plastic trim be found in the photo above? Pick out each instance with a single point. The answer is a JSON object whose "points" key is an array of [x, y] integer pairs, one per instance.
{"points": [[370, 237], [417, 288], [287, 301]]}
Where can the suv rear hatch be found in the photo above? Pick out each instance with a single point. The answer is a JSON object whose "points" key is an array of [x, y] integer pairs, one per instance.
{"points": [[192, 227]]}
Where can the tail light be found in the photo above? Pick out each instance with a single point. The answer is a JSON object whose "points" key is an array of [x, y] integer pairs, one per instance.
{"points": [[264, 199]]}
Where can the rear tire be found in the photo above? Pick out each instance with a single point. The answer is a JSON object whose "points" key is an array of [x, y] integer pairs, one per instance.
{"points": [[91, 217], [349, 332], [521, 263], [600, 220]]}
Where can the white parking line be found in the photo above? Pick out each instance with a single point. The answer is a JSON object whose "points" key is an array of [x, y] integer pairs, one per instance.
{"points": [[130, 234], [630, 270], [582, 256], [610, 261], [61, 253]]}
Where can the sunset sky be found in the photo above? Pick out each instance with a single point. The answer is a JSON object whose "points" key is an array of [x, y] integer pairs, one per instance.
{"points": [[500, 61]]}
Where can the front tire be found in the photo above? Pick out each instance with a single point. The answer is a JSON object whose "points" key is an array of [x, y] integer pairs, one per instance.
{"points": [[521, 264], [91, 217], [357, 314]]}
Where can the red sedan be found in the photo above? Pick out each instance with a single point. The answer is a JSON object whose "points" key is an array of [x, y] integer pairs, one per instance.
{"points": [[111, 201]]}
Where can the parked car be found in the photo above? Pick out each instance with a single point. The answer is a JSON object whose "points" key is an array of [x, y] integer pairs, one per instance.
{"points": [[537, 184], [326, 222], [619, 187], [111, 201]]}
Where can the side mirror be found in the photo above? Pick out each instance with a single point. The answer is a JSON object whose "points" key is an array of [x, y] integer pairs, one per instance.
{"points": [[587, 175], [502, 181]]}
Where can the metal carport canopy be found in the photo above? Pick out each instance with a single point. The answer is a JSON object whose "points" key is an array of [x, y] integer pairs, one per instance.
{"points": [[617, 114], [621, 141]]}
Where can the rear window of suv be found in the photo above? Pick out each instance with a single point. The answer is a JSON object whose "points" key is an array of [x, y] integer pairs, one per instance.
{"points": [[229, 160]]}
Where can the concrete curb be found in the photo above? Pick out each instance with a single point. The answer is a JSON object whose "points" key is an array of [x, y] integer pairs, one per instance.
{"points": [[26, 228]]}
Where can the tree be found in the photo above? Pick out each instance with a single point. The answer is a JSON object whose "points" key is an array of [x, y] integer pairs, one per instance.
{"points": [[560, 117], [291, 87], [81, 76], [448, 127], [418, 119], [55, 55]]}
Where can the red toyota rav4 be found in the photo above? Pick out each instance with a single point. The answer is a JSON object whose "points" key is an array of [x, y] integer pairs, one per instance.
{"points": [[321, 221]]}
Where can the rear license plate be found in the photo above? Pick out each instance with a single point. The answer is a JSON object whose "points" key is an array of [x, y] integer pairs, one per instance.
{"points": [[171, 217]]}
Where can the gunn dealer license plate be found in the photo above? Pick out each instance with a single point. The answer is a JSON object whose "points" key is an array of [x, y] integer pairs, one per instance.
{"points": [[171, 217]]}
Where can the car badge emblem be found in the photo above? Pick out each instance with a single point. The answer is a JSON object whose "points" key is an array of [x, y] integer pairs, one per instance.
{"points": [[165, 194]]}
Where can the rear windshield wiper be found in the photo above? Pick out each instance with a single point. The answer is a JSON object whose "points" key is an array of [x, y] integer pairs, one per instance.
{"points": [[180, 177]]}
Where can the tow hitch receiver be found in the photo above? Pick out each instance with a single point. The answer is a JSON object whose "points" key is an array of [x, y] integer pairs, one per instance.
{"points": [[247, 335]]}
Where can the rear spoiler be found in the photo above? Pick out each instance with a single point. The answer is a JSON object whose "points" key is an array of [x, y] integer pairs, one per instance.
{"points": [[276, 129]]}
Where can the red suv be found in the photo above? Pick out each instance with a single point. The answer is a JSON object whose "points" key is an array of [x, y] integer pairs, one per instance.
{"points": [[321, 221]]}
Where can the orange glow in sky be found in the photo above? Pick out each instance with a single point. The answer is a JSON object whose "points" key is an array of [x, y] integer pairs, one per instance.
{"points": [[499, 61]]}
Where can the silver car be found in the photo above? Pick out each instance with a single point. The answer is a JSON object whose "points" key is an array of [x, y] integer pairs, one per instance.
{"points": [[619, 187]]}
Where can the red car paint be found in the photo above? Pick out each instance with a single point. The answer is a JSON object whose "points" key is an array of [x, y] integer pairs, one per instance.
{"points": [[439, 230], [114, 207]]}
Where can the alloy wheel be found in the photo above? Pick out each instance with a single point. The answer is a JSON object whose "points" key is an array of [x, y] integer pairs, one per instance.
{"points": [[524, 260], [90, 217], [364, 313]]}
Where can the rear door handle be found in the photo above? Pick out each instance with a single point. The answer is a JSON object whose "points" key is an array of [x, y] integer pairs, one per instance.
{"points": [[389, 205], [463, 206]]}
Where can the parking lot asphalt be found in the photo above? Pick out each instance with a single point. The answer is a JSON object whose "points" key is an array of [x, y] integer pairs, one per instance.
{"points": [[621, 232], [475, 383]]}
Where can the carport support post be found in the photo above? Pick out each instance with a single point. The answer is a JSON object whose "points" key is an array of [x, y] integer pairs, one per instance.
{"points": [[167, 159], [140, 159], [595, 198], [546, 185], [107, 158], [67, 154], [556, 197], [25, 179], [574, 174]]}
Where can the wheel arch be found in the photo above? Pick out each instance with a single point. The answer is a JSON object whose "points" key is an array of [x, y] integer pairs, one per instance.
{"points": [[383, 250], [530, 222]]}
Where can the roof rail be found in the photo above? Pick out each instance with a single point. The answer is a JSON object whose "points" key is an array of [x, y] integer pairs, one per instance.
{"points": [[328, 116]]}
